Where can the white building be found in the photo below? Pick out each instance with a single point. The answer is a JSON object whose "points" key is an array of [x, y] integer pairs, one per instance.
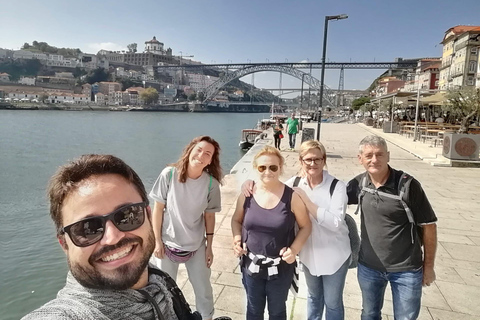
{"points": [[100, 99], [154, 46], [69, 98], [29, 81], [460, 57], [4, 77], [199, 82], [25, 54]]}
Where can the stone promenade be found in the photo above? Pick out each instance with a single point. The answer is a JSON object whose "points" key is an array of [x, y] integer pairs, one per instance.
{"points": [[453, 192]]}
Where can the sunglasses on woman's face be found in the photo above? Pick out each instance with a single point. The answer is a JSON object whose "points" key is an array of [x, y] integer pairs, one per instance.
{"points": [[90, 230], [273, 168]]}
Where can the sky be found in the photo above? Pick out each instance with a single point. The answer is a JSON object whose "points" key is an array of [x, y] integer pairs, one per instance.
{"points": [[223, 31]]}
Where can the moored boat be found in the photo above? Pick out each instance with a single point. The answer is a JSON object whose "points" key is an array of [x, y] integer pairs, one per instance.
{"points": [[248, 138]]}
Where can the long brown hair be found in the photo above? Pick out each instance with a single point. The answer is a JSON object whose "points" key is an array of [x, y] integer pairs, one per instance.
{"points": [[214, 169]]}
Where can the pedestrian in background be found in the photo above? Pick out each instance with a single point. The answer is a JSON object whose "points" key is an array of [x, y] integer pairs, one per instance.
{"points": [[292, 130], [277, 133]]}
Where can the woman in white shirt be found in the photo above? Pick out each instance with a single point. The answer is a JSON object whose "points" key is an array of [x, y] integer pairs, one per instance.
{"points": [[326, 254]]}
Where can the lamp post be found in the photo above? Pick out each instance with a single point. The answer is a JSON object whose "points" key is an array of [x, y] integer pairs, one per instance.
{"points": [[322, 77]]}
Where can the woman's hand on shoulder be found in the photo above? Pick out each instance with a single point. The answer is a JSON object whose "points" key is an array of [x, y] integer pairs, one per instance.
{"points": [[301, 193], [247, 188]]}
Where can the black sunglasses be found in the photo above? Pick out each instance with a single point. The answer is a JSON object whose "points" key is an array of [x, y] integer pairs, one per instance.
{"points": [[273, 168], [90, 230]]}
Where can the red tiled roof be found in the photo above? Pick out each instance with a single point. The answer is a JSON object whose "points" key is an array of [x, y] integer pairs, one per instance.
{"points": [[462, 29], [457, 30]]}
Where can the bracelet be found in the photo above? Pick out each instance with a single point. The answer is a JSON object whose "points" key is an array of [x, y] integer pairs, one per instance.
{"points": [[209, 234]]}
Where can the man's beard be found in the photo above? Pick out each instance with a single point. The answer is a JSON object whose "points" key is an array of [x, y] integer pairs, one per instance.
{"points": [[122, 278]]}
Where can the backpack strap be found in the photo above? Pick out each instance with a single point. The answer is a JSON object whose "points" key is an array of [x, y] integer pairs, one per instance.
{"points": [[363, 184], [210, 184], [296, 181], [180, 304], [332, 186], [403, 192]]}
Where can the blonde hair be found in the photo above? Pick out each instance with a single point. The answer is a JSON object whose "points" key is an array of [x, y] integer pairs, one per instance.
{"points": [[269, 151], [308, 145]]}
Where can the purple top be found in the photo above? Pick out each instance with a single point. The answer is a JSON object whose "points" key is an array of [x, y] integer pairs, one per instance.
{"points": [[267, 231]]}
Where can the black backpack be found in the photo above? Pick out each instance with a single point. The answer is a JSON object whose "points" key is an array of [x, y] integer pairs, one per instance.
{"points": [[351, 225], [402, 196], [180, 304]]}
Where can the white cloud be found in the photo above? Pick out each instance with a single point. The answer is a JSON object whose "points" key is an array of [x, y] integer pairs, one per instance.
{"points": [[95, 47]]}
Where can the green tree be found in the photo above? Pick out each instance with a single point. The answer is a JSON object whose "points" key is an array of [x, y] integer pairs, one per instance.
{"points": [[149, 96], [78, 72], [357, 103], [26, 46], [132, 47], [463, 104], [127, 83], [43, 97], [201, 96], [96, 75], [192, 97]]}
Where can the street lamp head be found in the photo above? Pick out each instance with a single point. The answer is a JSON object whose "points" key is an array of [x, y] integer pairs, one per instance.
{"points": [[337, 17]]}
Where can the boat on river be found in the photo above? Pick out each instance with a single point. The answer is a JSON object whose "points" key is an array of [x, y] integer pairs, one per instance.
{"points": [[248, 138]]}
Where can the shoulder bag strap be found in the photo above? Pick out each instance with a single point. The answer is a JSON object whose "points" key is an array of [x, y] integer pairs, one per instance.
{"points": [[296, 181], [332, 186]]}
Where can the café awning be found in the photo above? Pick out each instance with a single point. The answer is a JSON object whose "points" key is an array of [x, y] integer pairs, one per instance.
{"points": [[438, 98]]}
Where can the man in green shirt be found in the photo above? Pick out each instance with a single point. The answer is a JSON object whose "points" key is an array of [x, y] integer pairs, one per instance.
{"points": [[292, 129]]}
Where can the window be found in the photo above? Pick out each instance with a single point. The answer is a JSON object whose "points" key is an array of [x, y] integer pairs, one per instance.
{"points": [[474, 50], [470, 81], [472, 66]]}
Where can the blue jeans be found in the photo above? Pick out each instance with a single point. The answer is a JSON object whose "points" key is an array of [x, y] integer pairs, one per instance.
{"points": [[406, 292], [291, 140], [261, 290], [326, 290]]}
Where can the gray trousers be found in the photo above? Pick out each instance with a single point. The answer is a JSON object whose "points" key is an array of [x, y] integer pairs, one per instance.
{"points": [[199, 277]]}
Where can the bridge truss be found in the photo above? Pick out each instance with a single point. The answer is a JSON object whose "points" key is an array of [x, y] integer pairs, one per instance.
{"points": [[232, 71]]}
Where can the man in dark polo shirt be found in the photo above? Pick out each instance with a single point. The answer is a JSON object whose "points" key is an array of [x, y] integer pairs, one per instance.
{"points": [[391, 247]]}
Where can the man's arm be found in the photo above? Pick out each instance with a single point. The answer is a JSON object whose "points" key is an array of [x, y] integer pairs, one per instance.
{"points": [[429, 232]]}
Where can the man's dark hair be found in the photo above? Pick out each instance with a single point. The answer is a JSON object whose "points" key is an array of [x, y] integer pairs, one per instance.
{"points": [[69, 176]]}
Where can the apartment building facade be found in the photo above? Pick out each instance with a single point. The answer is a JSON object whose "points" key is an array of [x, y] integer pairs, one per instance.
{"points": [[460, 57]]}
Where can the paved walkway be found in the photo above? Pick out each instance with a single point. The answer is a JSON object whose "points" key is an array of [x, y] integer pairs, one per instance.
{"points": [[454, 195]]}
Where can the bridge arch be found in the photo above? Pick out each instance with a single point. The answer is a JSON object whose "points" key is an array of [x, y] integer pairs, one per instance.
{"points": [[313, 82]]}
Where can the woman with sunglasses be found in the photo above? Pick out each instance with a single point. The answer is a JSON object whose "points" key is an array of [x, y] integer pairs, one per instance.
{"points": [[326, 254], [187, 195], [263, 228]]}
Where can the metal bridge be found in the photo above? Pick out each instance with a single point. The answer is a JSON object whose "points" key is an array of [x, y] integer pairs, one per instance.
{"points": [[232, 71], [298, 65]]}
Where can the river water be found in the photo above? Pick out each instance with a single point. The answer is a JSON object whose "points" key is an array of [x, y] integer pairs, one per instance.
{"points": [[34, 143]]}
